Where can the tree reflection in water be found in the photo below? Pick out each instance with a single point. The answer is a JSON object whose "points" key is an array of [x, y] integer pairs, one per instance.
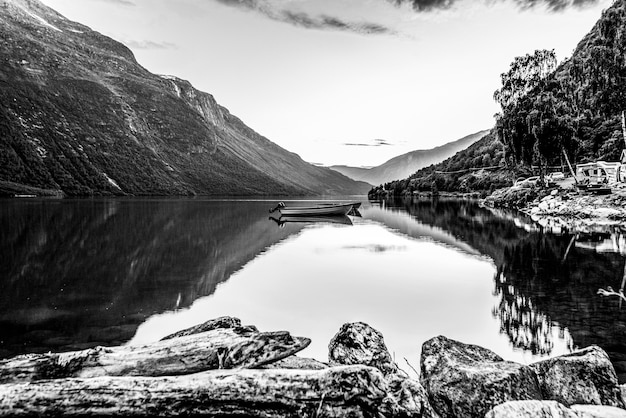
{"points": [[526, 327], [547, 282]]}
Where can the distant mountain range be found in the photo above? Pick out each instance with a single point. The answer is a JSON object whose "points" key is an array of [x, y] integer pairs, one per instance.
{"points": [[404, 165], [79, 115]]}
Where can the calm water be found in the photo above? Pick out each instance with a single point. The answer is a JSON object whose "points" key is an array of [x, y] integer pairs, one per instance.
{"points": [[75, 274]]}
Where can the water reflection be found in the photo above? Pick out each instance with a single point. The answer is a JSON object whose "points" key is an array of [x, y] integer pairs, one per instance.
{"points": [[546, 283], [75, 274]]}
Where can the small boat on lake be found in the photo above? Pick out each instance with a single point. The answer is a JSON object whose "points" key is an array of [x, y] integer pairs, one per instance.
{"points": [[324, 209]]}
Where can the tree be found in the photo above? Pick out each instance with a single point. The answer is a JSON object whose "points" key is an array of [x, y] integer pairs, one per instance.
{"points": [[524, 120], [526, 73]]}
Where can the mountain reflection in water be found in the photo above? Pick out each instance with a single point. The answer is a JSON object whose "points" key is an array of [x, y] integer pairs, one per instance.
{"points": [[79, 273]]}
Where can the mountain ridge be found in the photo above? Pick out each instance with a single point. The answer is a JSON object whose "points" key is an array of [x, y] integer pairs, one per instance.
{"points": [[404, 165], [79, 114]]}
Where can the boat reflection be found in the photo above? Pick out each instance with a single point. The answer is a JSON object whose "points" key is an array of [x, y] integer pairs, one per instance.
{"points": [[342, 220]]}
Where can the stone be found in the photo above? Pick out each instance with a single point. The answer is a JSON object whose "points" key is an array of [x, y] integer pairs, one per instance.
{"points": [[606, 212], [583, 377], [211, 324], [359, 343], [531, 409], [295, 362], [465, 380], [598, 411], [408, 397]]}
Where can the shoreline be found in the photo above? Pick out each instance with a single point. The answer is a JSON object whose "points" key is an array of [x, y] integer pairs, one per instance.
{"points": [[224, 368], [565, 209]]}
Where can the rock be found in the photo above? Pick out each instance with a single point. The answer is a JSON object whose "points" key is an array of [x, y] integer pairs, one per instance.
{"points": [[598, 411], [358, 343], [408, 397], [295, 362], [531, 409], [582, 377], [464, 380], [606, 212], [211, 324]]}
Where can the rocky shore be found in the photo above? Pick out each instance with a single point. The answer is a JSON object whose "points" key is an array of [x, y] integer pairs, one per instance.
{"points": [[221, 368], [564, 208]]}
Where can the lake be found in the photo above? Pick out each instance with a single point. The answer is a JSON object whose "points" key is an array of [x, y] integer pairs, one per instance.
{"points": [[80, 273]]}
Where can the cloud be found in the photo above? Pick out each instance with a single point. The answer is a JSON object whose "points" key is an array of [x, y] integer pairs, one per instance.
{"points": [[306, 20], [553, 5], [147, 44], [122, 2], [374, 143]]}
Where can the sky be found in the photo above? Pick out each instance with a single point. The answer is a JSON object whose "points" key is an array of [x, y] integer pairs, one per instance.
{"points": [[351, 82]]}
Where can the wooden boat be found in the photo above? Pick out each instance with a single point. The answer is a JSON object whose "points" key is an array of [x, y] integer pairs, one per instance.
{"points": [[326, 209]]}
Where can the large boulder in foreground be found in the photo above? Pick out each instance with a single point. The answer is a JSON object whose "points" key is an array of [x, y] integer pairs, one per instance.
{"points": [[583, 377], [465, 380], [553, 409], [358, 343], [598, 411], [531, 409]]}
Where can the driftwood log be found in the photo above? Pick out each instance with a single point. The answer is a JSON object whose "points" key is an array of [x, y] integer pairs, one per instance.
{"points": [[210, 325], [180, 375], [222, 348], [346, 391]]}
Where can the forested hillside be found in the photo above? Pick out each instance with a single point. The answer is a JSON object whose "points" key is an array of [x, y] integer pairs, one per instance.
{"points": [[548, 111], [406, 164], [474, 168]]}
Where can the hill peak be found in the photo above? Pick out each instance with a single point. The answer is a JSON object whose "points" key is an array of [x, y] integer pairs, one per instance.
{"points": [[404, 165]]}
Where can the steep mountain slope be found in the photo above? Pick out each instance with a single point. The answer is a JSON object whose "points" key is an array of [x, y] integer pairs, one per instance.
{"points": [[404, 165], [479, 167], [79, 114]]}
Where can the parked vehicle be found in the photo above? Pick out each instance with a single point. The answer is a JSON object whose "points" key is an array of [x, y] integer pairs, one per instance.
{"points": [[527, 183], [556, 176]]}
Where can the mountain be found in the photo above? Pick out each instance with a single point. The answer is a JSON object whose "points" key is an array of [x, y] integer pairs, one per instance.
{"points": [[78, 114], [404, 165], [479, 167]]}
